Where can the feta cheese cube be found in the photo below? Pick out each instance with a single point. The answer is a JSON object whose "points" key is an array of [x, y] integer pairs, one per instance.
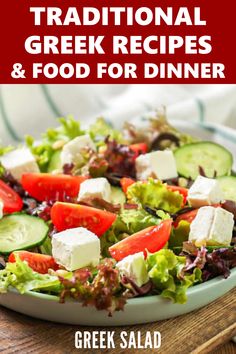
{"points": [[1, 209], [212, 226], [205, 191], [96, 188], [76, 248], [157, 164], [134, 267], [201, 226], [18, 162], [72, 151]]}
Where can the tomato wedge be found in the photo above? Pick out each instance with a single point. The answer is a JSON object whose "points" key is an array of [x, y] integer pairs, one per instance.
{"points": [[40, 263], [45, 186], [189, 216], [139, 148], [12, 202], [181, 190], [151, 239], [125, 182], [67, 216]]}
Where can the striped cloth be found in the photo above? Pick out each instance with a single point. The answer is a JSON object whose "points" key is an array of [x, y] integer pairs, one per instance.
{"points": [[30, 109]]}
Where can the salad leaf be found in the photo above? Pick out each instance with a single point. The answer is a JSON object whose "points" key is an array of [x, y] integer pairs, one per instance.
{"points": [[162, 215], [213, 263], [137, 219], [43, 152], [101, 289], [219, 262], [108, 239], [46, 247], [156, 132], [53, 140], [120, 158], [97, 166], [179, 234], [166, 273], [155, 194], [69, 129], [135, 290], [199, 260], [178, 294], [128, 222], [160, 124], [21, 277], [5, 149], [101, 129]]}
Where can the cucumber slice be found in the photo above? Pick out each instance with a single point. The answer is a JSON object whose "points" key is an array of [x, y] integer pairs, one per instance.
{"points": [[55, 162], [228, 186], [117, 195], [210, 156], [21, 231]]}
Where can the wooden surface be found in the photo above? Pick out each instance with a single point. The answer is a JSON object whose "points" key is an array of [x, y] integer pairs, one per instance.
{"points": [[229, 348], [202, 331]]}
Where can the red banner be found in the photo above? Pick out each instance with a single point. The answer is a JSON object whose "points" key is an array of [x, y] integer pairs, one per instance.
{"points": [[72, 41]]}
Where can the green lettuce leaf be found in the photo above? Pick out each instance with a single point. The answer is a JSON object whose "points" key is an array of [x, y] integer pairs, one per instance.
{"points": [[108, 239], [179, 234], [5, 149], [137, 219], [46, 247], [53, 140], [101, 129], [128, 222], [21, 277], [166, 271], [69, 129], [155, 194]]}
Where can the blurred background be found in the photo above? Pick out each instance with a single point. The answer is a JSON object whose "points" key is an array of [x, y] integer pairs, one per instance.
{"points": [[31, 109]]}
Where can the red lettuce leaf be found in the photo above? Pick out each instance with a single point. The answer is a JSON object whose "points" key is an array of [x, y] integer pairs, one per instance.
{"points": [[102, 290], [134, 290], [120, 158], [214, 263], [219, 262]]}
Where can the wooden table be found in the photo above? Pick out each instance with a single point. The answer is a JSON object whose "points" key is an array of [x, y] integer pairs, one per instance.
{"points": [[202, 331]]}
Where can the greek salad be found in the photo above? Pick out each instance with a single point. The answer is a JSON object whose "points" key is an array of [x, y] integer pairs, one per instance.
{"points": [[102, 215]]}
